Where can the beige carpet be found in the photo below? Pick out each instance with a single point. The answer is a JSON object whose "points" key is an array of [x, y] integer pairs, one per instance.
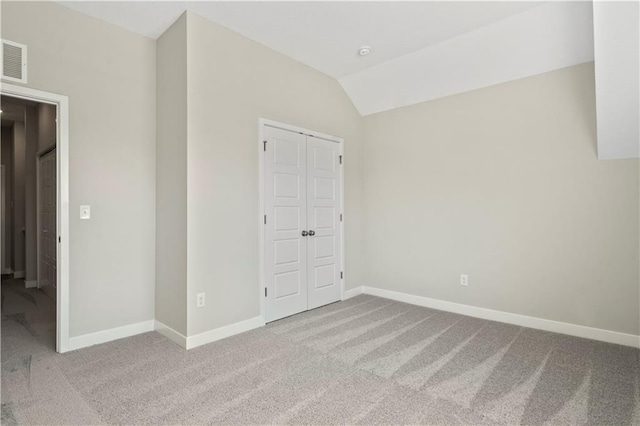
{"points": [[363, 361]]}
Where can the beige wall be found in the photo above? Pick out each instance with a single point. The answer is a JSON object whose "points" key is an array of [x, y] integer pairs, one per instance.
{"points": [[171, 183], [109, 76], [504, 184], [233, 81]]}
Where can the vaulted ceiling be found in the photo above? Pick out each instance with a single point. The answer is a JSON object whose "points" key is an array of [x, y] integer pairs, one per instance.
{"points": [[419, 50], [324, 35]]}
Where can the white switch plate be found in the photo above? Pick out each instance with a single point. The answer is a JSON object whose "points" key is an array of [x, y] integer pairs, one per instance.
{"points": [[200, 300], [85, 212], [464, 279]]}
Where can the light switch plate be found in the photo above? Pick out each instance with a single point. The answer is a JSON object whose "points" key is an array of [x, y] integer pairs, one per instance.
{"points": [[85, 212]]}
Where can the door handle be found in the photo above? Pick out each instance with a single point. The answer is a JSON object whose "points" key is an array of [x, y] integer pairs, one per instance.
{"points": [[312, 233], [305, 233]]}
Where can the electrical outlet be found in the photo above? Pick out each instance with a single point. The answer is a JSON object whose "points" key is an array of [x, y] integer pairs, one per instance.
{"points": [[85, 212], [200, 300], [464, 279]]}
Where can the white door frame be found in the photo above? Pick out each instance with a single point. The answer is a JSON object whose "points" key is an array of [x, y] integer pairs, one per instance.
{"points": [[62, 206], [262, 122]]}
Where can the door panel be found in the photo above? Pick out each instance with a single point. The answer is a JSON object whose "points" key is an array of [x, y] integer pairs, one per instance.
{"points": [[285, 208], [5, 261], [323, 212], [47, 221]]}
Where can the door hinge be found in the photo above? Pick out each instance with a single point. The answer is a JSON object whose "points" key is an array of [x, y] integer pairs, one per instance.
{"points": [[265, 145], [340, 217], [59, 239], [265, 219], [341, 159], [341, 275], [265, 292]]}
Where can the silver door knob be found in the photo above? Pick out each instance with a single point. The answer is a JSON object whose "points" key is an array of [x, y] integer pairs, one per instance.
{"points": [[312, 233], [305, 233]]}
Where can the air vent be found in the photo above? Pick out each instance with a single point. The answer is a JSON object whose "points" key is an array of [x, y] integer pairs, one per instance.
{"points": [[14, 61]]}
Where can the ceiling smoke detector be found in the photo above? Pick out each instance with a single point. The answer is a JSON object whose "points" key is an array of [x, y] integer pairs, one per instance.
{"points": [[364, 51]]}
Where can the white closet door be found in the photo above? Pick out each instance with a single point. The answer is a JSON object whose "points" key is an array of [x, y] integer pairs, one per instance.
{"points": [[323, 219], [285, 207]]}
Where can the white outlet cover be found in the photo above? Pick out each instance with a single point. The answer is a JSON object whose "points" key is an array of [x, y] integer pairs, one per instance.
{"points": [[464, 279], [200, 300], [85, 212]]}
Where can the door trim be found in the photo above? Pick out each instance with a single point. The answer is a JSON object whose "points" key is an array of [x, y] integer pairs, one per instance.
{"points": [[62, 207], [262, 122]]}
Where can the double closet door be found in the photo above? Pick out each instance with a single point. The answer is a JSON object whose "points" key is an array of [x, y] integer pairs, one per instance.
{"points": [[302, 199]]}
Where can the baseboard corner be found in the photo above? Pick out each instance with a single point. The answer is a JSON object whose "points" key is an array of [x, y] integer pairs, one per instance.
{"points": [[353, 292], [224, 332], [170, 333]]}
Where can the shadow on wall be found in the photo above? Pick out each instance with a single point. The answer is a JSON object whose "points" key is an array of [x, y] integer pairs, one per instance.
{"points": [[586, 105]]}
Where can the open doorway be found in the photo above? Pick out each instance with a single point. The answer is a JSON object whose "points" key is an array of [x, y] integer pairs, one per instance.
{"points": [[35, 221], [29, 226]]}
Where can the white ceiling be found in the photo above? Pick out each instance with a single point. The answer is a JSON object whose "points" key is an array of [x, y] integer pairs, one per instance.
{"points": [[323, 35], [545, 38]]}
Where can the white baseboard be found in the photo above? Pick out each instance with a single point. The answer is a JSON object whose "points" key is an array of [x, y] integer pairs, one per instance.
{"points": [[104, 336], [208, 336], [352, 292], [31, 284], [509, 318], [146, 326], [252, 323], [171, 334], [19, 274], [223, 332]]}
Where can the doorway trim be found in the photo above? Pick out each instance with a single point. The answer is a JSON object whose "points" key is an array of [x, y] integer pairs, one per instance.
{"points": [[62, 207], [262, 123]]}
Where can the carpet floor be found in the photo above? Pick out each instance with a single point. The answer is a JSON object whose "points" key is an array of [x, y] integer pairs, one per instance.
{"points": [[366, 360]]}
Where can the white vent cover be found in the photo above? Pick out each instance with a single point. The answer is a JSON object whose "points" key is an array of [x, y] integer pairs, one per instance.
{"points": [[14, 61]]}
